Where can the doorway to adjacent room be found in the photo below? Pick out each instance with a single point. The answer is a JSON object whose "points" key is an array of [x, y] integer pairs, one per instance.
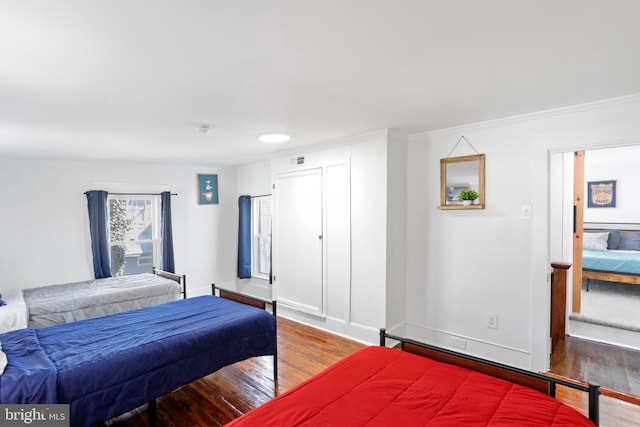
{"points": [[602, 343]]}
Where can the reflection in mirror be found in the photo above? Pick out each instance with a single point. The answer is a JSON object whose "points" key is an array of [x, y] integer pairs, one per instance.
{"points": [[460, 174]]}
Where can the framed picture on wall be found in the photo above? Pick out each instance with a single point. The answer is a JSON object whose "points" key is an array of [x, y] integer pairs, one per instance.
{"points": [[601, 194], [207, 189]]}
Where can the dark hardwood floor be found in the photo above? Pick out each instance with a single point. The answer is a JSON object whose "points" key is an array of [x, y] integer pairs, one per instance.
{"points": [[303, 352], [616, 369], [234, 390]]}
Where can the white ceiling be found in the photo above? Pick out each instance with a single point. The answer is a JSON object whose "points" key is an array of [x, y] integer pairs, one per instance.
{"points": [[129, 79]]}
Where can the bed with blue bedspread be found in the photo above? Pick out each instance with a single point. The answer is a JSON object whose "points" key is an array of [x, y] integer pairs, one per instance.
{"points": [[611, 255], [614, 261], [109, 365]]}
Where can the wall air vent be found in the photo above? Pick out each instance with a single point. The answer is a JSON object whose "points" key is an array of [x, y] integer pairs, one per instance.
{"points": [[297, 160]]}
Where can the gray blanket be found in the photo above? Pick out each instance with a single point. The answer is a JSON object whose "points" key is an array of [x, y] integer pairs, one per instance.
{"points": [[55, 304]]}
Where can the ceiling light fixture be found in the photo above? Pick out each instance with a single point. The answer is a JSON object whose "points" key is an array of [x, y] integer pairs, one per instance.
{"points": [[203, 128], [274, 137]]}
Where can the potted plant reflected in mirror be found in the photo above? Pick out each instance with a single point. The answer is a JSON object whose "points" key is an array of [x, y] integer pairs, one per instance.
{"points": [[468, 196]]}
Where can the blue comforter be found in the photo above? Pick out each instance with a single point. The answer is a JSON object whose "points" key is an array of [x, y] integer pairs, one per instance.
{"points": [[614, 261], [109, 365], [30, 377]]}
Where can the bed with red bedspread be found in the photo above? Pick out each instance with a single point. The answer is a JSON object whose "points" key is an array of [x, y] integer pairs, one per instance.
{"points": [[380, 386]]}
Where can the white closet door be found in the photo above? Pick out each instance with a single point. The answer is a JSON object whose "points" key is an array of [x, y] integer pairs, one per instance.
{"points": [[298, 240]]}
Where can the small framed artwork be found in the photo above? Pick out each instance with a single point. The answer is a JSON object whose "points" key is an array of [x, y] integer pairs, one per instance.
{"points": [[207, 189], [601, 194], [453, 193]]}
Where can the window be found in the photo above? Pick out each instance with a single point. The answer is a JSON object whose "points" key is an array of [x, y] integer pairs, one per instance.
{"points": [[261, 237], [133, 233]]}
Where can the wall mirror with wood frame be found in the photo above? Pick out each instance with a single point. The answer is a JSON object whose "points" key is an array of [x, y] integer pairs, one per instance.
{"points": [[458, 175]]}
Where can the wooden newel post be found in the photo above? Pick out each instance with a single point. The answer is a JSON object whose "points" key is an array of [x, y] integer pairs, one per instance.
{"points": [[558, 301]]}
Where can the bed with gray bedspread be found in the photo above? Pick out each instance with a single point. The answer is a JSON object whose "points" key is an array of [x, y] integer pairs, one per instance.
{"points": [[55, 304]]}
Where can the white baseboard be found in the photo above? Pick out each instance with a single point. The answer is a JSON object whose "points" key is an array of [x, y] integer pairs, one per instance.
{"points": [[512, 356], [353, 331]]}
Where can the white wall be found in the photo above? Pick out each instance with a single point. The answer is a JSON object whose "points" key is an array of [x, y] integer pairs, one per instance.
{"points": [[464, 264], [44, 223], [396, 234], [369, 232], [355, 275], [622, 165], [459, 264], [254, 179]]}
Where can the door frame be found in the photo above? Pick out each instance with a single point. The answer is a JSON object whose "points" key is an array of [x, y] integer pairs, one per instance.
{"points": [[578, 227]]}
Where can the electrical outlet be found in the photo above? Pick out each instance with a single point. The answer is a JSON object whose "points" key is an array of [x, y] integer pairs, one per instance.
{"points": [[492, 320]]}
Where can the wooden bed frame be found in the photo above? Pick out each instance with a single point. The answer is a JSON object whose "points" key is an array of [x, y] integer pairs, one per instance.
{"points": [[608, 276], [611, 277], [540, 382]]}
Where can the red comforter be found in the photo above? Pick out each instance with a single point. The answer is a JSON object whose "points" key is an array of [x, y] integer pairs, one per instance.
{"points": [[378, 386]]}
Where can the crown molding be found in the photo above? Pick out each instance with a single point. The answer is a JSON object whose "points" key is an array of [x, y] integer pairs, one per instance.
{"points": [[538, 115]]}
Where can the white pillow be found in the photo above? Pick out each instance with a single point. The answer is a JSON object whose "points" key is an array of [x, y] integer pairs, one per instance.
{"points": [[595, 241], [3, 360]]}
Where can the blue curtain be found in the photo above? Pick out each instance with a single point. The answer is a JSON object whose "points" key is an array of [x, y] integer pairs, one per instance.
{"points": [[244, 237], [168, 263], [97, 204], [271, 261]]}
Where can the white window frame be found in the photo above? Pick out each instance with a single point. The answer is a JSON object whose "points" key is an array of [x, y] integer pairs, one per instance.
{"points": [[258, 235]]}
